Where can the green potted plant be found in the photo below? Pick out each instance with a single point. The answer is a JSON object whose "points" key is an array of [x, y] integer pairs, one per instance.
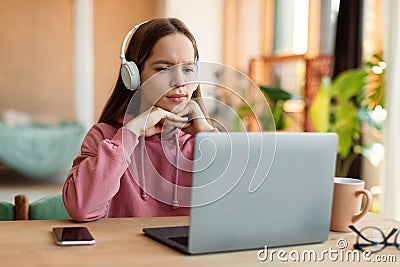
{"points": [[276, 97], [278, 119], [343, 105]]}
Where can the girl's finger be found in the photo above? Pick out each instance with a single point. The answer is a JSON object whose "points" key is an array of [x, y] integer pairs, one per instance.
{"points": [[153, 130], [177, 118], [191, 109], [187, 125], [175, 124], [169, 115]]}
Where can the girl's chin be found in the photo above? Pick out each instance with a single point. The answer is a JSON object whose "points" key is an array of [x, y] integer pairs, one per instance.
{"points": [[177, 100], [171, 105]]}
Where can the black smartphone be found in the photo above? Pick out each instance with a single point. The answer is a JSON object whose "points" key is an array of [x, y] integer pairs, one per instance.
{"points": [[73, 236]]}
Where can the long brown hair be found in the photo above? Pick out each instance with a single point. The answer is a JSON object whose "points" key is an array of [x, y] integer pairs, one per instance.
{"points": [[139, 50]]}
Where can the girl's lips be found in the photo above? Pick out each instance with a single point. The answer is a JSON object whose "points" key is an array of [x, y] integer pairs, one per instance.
{"points": [[178, 98]]}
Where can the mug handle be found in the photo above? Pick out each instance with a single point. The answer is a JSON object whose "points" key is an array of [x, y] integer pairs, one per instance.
{"points": [[367, 207]]}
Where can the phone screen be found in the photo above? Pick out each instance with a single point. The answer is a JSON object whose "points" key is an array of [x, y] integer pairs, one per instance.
{"points": [[73, 236]]}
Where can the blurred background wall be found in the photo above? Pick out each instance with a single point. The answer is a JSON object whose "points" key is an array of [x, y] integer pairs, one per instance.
{"points": [[37, 51], [36, 54]]}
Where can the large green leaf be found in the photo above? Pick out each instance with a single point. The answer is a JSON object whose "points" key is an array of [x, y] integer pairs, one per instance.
{"points": [[349, 84], [319, 110], [346, 125], [275, 93]]}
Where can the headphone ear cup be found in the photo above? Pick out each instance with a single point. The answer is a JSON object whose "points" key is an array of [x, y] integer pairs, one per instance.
{"points": [[130, 75]]}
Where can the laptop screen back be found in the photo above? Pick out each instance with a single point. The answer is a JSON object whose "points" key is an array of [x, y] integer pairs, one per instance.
{"points": [[255, 189]]}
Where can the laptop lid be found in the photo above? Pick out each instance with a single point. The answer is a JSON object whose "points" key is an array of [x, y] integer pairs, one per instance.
{"points": [[255, 189]]}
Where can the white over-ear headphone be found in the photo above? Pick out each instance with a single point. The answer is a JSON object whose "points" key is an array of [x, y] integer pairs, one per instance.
{"points": [[129, 70]]}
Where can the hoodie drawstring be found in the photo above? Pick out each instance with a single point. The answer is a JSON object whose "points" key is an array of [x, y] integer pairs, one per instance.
{"points": [[142, 185], [175, 203]]}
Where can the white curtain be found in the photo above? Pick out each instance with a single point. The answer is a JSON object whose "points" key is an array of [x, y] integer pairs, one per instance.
{"points": [[84, 63], [391, 166]]}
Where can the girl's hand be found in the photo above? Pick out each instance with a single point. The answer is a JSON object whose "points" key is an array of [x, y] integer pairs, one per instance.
{"points": [[197, 122], [154, 121]]}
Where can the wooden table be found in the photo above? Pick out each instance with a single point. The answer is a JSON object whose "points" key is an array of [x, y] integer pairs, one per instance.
{"points": [[120, 242]]}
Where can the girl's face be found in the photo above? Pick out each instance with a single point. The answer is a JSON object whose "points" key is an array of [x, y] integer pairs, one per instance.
{"points": [[166, 73]]}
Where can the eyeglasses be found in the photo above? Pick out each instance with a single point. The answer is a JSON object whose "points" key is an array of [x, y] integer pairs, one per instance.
{"points": [[373, 239]]}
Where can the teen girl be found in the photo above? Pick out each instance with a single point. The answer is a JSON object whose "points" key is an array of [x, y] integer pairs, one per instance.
{"points": [[136, 166]]}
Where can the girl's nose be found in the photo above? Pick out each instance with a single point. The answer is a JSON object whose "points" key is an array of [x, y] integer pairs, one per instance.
{"points": [[177, 77]]}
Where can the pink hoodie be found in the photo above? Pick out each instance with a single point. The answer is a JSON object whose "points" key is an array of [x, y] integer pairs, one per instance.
{"points": [[104, 178]]}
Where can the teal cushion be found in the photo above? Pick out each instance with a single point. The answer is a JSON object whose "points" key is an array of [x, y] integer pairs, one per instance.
{"points": [[39, 151], [48, 208], [7, 212]]}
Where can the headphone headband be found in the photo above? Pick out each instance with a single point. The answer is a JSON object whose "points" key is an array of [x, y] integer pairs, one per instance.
{"points": [[122, 55]]}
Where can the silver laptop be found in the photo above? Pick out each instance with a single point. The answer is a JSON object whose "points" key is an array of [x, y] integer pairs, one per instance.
{"points": [[255, 189]]}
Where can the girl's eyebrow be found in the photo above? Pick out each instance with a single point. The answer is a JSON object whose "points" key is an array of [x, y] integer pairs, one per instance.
{"points": [[167, 62]]}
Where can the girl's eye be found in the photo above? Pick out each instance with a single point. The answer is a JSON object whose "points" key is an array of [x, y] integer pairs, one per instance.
{"points": [[188, 69], [162, 69]]}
